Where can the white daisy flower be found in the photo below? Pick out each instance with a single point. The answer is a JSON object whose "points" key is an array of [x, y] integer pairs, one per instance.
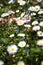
{"points": [[34, 22], [21, 2], [37, 8], [40, 12], [41, 62], [40, 42], [20, 63], [1, 62], [40, 33], [27, 25], [20, 22], [22, 44], [21, 35], [32, 8], [12, 35], [41, 23], [39, 0], [12, 49], [36, 28], [4, 15], [17, 11]]}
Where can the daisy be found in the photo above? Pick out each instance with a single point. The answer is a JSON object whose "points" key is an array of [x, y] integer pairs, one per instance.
{"points": [[4, 15], [20, 22], [37, 8], [12, 35], [34, 22], [40, 33], [12, 49], [40, 12], [17, 11], [20, 63], [40, 42], [32, 8], [36, 28], [27, 18], [21, 35], [1, 62], [22, 44], [21, 2], [41, 24]]}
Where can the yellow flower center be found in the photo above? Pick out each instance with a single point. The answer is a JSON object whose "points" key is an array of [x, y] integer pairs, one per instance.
{"points": [[36, 28], [21, 64], [20, 23], [41, 42], [40, 32], [27, 18], [12, 49], [36, 8], [4, 14]]}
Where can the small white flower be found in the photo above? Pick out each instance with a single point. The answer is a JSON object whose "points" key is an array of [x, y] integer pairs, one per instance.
{"points": [[41, 23], [34, 22], [20, 22], [37, 8], [41, 62], [17, 11], [32, 8], [33, 14], [20, 63], [27, 25], [21, 35], [4, 15], [40, 12], [39, 0], [12, 49], [1, 62], [12, 35], [40, 33], [21, 2], [22, 44], [40, 42], [36, 28]]}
